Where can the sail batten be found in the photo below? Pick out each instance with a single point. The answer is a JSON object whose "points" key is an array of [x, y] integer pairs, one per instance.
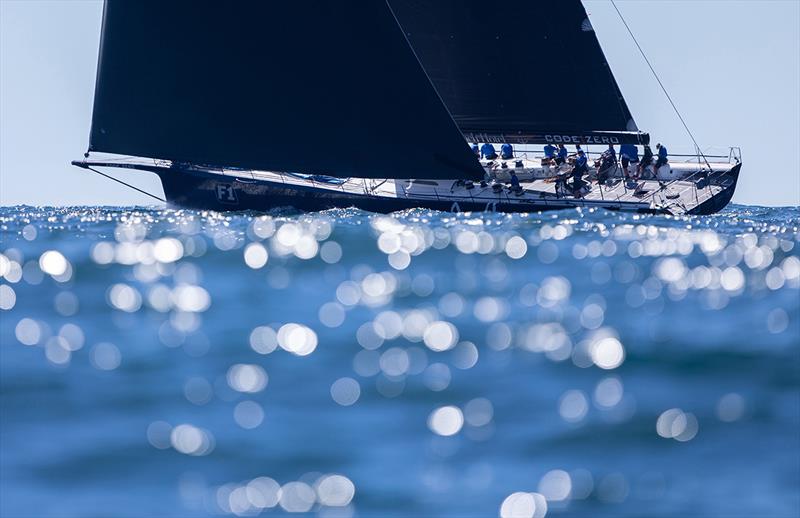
{"points": [[303, 86], [521, 67]]}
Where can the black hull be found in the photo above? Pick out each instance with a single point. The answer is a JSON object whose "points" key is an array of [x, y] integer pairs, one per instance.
{"points": [[206, 189], [198, 190]]}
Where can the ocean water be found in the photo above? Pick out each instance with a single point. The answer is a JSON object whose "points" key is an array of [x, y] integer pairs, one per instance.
{"points": [[577, 363]]}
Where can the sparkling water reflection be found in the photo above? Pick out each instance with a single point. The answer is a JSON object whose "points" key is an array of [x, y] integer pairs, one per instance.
{"points": [[344, 363]]}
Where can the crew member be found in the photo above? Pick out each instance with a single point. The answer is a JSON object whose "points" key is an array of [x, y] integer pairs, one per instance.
{"points": [[550, 151], [611, 153], [581, 167], [561, 157], [607, 160], [488, 152], [515, 187], [647, 159], [628, 155], [506, 151], [476, 150], [662, 156]]}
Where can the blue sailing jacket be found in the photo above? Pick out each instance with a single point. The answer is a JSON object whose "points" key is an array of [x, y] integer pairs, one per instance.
{"points": [[630, 151]]}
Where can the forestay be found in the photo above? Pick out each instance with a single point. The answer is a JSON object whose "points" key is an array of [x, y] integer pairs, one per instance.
{"points": [[519, 70], [303, 86]]}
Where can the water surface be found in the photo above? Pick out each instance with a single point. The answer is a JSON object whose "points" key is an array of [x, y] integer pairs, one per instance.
{"points": [[574, 363]]}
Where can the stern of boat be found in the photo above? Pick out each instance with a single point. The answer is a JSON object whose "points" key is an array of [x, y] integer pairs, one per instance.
{"points": [[728, 180]]}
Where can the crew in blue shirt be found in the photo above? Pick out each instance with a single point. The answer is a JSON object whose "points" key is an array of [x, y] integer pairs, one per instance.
{"points": [[662, 155], [549, 151], [581, 160], [514, 181], [476, 150], [488, 152], [506, 152], [630, 152], [581, 167], [562, 154]]}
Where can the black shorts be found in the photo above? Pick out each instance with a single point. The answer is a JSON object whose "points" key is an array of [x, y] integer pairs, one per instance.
{"points": [[660, 162], [625, 162], [493, 156]]}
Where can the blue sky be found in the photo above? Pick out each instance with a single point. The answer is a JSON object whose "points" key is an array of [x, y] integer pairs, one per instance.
{"points": [[732, 68]]}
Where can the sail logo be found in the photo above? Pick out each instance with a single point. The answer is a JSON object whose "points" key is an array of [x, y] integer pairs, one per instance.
{"points": [[577, 139], [530, 138], [226, 194]]}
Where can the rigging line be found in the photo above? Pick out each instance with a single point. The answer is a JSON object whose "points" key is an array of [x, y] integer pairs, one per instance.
{"points": [[126, 184], [678, 113]]}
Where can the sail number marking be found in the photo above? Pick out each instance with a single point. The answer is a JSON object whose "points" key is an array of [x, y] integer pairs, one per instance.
{"points": [[226, 194]]}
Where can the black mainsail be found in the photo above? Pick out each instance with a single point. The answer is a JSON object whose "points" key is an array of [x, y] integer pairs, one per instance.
{"points": [[317, 87], [519, 70]]}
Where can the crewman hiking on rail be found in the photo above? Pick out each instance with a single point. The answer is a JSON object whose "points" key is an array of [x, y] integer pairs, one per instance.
{"points": [[488, 152], [506, 151]]}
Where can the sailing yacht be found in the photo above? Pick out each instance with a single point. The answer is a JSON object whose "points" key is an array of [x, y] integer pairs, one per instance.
{"points": [[255, 105]]}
